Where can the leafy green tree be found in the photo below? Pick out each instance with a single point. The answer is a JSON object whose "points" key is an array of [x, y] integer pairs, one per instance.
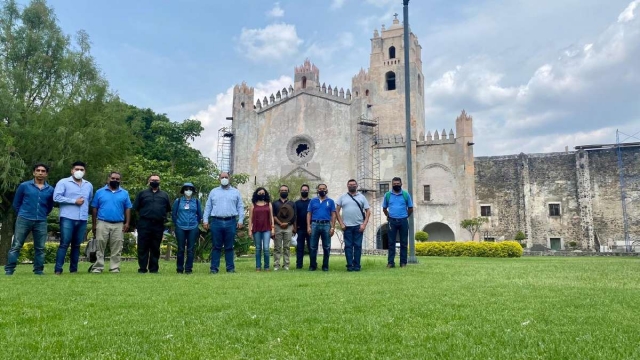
{"points": [[293, 182], [422, 236], [473, 225], [54, 105]]}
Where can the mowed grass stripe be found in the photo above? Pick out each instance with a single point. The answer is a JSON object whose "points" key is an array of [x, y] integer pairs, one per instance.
{"points": [[548, 308]]}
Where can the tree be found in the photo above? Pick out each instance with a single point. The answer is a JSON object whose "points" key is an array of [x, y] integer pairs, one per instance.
{"points": [[473, 225], [422, 236], [293, 182], [54, 105]]}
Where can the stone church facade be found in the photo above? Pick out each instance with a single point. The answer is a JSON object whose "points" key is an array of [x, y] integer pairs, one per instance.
{"points": [[331, 135]]}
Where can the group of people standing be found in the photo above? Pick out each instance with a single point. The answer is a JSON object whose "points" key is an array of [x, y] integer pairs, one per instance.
{"points": [[311, 219]]}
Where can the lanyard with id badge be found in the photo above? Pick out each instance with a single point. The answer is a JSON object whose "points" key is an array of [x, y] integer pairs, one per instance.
{"points": [[186, 205]]}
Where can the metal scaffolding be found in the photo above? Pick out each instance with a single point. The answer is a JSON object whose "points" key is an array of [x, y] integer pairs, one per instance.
{"points": [[620, 145], [368, 175], [225, 148]]}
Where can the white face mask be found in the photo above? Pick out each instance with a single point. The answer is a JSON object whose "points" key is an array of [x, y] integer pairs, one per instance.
{"points": [[188, 193], [78, 174], [224, 181]]}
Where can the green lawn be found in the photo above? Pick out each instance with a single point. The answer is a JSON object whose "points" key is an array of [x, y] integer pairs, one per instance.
{"points": [[453, 308]]}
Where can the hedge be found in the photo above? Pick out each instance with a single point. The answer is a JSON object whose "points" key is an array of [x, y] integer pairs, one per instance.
{"points": [[470, 249]]}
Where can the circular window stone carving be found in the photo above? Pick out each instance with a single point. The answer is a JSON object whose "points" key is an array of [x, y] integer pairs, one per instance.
{"points": [[301, 149]]}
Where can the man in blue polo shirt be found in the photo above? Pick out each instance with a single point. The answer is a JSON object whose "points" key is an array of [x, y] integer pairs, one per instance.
{"points": [[321, 222], [74, 196], [33, 202], [111, 213], [397, 206]]}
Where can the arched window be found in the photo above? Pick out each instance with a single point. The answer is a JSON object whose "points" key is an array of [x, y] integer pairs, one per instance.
{"points": [[304, 82], [366, 92], [392, 52], [390, 79], [419, 85]]}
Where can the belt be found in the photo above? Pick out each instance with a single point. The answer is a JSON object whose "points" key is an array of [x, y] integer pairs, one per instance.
{"points": [[111, 222], [321, 221], [397, 218], [223, 217], [153, 220]]}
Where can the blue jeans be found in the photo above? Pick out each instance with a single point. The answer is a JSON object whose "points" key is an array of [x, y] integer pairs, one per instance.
{"points": [[353, 247], [72, 233], [223, 234], [186, 238], [39, 230], [395, 226], [261, 240], [318, 231]]}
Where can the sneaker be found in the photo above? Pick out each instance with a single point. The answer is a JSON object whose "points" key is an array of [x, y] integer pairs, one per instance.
{"points": [[389, 266], [258, 269], [96, 271], [38, 273], [286, 268], [276, 269], [115, 271]]}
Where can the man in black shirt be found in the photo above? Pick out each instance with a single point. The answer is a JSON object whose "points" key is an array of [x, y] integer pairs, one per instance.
{"points": [[152, 205], [301, 224]]}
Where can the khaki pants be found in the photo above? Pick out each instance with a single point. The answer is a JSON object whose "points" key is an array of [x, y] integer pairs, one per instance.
{"points": [[112, 235], [281, 244]]}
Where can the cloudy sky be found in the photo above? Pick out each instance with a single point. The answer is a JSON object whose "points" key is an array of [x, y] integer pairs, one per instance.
{"points": [[536, 75]]}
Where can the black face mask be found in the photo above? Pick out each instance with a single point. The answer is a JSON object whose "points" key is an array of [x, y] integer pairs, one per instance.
{"points": [[284, 195], [154, 184], [353, 188], [262, 197], [322, 193], [114, 184], [397, 188], [304, 194]]}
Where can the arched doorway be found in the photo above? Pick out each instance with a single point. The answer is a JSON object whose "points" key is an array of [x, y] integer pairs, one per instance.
{"points": [[382, 237], [439, 232]]}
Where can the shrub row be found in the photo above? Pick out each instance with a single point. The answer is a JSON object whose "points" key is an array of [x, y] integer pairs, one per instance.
{"points": [[470, 249]]}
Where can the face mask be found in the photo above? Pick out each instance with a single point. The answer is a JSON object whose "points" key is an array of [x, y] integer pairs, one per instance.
{"points": [[154, 184], [262, 197], [114, 184], [188, 193], [353, 188], [284, 195], [224, 182], [304, 194], [397, 188], [322, 193], [78, 174]]}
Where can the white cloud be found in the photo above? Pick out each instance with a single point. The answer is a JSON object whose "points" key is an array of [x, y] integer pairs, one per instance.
{"points": [[337, 4], [325, 50], [628, 13], [214, 116], [272, 43], [276, 11], [383, 3], [566, 101]]}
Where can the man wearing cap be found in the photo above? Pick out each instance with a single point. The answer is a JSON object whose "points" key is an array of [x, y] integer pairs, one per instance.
{"points": [[321, 222], [223, 214], [186, 215], [111, 213], [284, 220]]}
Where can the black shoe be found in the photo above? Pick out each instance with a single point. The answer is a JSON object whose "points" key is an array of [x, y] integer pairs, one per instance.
{"points": [[325, 269], [38, 273], [8, 273], [312, 269], [232, 271], [142, 271], [180, 272], [188, 272], [214, 272]]}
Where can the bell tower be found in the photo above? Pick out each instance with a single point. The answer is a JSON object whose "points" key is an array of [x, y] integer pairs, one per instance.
{"points": [[382, 87]]}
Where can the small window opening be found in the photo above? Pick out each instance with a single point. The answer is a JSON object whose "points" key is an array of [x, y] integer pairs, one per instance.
{"points": [[384, 188], [304, 82], [427, 193], [366, 93], [392, 52], [242, 104], [390, 78], [485, 210], [554, 209]]}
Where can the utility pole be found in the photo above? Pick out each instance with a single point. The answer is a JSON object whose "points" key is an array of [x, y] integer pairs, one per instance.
{"points": [[407, 104]]}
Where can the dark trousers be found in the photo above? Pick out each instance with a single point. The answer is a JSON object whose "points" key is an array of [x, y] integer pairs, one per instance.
{"points": [[149, 240], [186, 238], [319, 230], [353, 247], [223, 235], [398, 226], [303, 238]]}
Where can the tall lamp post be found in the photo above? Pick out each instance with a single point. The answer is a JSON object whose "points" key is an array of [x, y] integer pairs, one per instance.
{"points": [[407, 105]]}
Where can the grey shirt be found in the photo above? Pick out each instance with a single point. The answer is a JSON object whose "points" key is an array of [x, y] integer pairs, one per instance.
{"points": [[351, 215]]}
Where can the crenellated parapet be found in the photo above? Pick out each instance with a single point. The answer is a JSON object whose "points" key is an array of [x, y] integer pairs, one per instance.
{"points": [[393, 140], [438, 137], [307, 67], [242, 96]]}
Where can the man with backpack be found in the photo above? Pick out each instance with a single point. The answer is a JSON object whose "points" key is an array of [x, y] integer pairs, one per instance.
{"points": [[353, 220], [397, 206]]}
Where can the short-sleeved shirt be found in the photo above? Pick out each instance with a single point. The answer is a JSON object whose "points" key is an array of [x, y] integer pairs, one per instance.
{"points": [[351, 214], [302, 206], [321, 210], [397, 206], [276, 209], [111, 204]]}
